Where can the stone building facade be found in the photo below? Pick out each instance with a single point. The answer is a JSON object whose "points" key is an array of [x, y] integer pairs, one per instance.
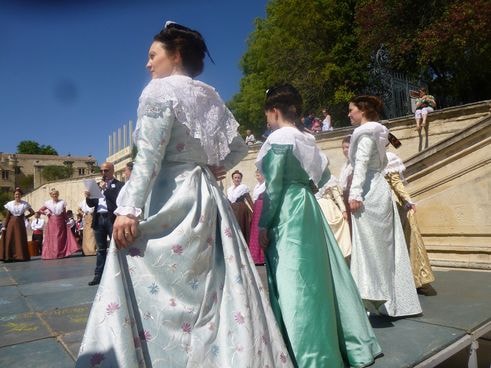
{"points": [[17, 169]]}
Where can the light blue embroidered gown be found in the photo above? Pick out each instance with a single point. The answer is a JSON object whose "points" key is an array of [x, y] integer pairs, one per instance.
{"points": [[186, 293], [379, 258]]}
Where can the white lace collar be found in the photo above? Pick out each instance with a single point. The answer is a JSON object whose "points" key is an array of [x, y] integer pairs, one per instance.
{"points": [[312, 160], [377, 131], [234, 193], [395, 164], [199, 107]]}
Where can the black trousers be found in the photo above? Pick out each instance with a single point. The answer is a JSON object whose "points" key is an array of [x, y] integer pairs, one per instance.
{"points": [[102, 232]]}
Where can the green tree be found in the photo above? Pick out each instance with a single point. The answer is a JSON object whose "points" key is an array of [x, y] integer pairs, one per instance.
{"points": [[53, 172], [26, 182], [34, 148], [445, 43], [310, 44]]}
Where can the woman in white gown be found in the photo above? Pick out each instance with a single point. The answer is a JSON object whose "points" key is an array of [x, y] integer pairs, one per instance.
{"points": [[179, 289], [379, 257]]}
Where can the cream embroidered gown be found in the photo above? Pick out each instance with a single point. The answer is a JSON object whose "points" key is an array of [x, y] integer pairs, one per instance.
{"points": [[186, 293]]}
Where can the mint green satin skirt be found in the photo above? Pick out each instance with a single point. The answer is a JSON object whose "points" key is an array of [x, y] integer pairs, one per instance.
{"points": [[312, 292]]}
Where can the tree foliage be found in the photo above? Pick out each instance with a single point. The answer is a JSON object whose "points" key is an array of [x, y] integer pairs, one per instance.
{"points": [[445, 43], [310, 44], [34, 148], [54, 172], [324, 48]]}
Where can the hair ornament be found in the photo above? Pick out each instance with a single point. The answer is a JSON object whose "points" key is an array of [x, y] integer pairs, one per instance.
{"points": [[171, 24]]}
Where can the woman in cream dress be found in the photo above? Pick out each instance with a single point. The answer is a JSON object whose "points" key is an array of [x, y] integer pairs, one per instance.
{"points": [[332, 205]]}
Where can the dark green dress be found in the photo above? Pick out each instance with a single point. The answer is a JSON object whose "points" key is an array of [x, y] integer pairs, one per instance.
{"points": [[313, 295]]}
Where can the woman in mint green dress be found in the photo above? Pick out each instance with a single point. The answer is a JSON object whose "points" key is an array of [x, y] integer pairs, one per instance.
{"points": [[313, 295]]}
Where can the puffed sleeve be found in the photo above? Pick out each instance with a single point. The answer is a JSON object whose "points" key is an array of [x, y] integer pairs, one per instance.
{"points": [[395, 182], [362, 156], [273, 166], [238, 150], [152, 136], [338, 199]]}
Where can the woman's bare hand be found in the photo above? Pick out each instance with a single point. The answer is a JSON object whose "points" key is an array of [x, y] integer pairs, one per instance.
{"points": [[355, 205], [125, 230]]}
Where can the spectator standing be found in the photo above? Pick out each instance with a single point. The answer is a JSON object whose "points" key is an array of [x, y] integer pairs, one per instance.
{"points": [[326, 123], [37, 227]]}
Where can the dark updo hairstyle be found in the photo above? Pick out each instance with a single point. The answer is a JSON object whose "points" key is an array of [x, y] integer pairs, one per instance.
{"points": [[237, 172], [18, 190], [189, 43], [371, 106], [287, 99]]}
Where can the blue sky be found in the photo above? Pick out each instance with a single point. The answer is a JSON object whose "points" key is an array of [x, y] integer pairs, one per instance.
{"points": [[71, 72]]}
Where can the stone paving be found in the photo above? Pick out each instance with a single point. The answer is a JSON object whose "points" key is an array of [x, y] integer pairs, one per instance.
{"points": [[44, 307]]}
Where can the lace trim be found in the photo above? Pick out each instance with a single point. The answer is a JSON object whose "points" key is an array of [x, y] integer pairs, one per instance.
{"points": [[394, 164], [312, 160], [125, 211], [377, 131], [233, 193], [196, 105]]}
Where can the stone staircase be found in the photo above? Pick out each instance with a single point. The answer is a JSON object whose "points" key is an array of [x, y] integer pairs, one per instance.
{"points": [[450, 181]]}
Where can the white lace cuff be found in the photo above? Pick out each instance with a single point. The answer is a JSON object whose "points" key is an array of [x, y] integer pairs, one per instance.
{"points": [[356, 197], [125, 211]]}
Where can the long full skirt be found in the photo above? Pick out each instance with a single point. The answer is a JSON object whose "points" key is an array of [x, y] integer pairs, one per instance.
{"points": [[59, 241], [311, 289], [88, 239], [420, 263], [254, 246], [186, 293], [379, 257], [243, 215], [13, 244], [337, 223]]}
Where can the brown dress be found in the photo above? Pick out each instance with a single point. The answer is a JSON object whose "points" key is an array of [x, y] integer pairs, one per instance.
{"points": [[420, 262], [13, 245], [88, 239], [243, 213]]}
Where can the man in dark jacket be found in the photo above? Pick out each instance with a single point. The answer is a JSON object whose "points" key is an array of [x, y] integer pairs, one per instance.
{"points": [[103, 219]]}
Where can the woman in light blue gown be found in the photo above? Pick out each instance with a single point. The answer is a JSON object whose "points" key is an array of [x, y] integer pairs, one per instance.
{"points": [[379, 258], [179, 288], [313, 295]]}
